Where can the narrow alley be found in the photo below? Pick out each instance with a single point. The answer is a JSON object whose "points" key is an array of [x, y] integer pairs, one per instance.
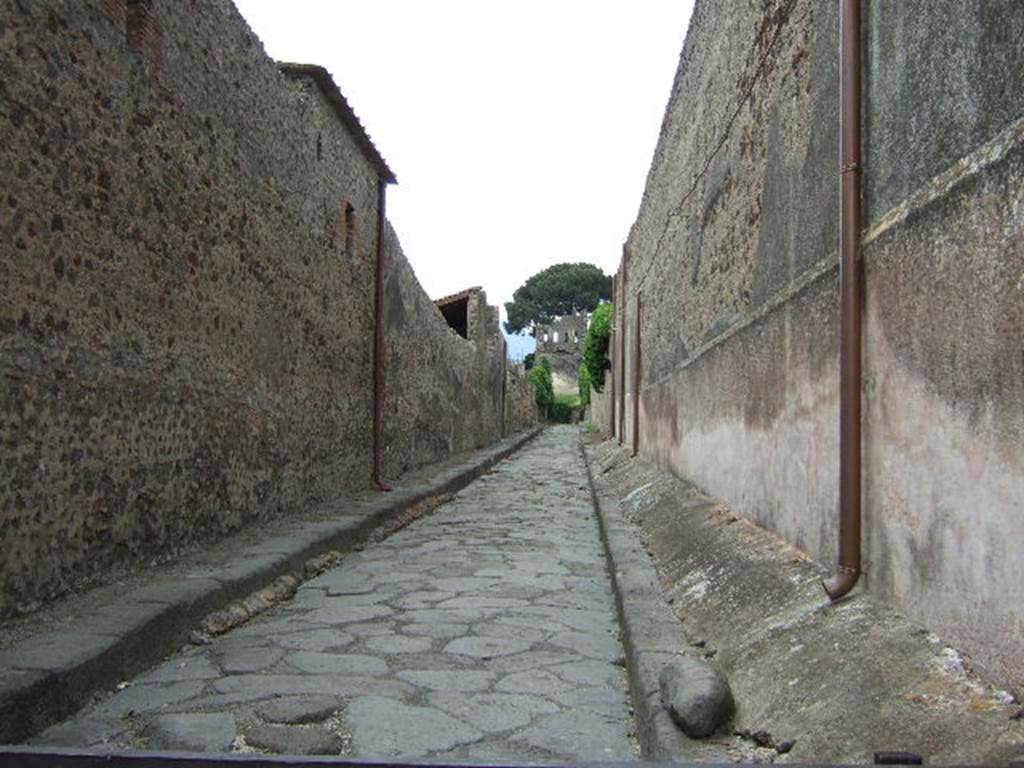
{"points": [[485, 631]]}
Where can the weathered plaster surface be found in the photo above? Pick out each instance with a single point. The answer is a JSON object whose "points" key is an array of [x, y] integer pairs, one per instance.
{"points": [[835, 681], [600, 411], [733, 252]]}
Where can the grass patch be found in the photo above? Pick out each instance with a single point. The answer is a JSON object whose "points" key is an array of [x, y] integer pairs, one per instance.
{"points": [[571, 401]]}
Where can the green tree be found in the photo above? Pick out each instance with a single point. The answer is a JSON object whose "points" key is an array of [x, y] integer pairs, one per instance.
{"points": [[595, 346], [556, 292]]}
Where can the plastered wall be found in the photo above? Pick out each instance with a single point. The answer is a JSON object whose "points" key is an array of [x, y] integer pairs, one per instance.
{"points": [[732, 261]]}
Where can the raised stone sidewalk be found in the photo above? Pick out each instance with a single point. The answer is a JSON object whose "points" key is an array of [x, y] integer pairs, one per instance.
{"points": [[113, 635]]}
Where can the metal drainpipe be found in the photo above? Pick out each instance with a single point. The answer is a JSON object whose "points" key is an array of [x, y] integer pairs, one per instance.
{"points": [[636, 378], [622, 349], [611, 348], [850, 304], [504, 387], [378, 340]]}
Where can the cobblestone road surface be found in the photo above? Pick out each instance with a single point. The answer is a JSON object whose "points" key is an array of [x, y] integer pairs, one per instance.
{"points": [[486, 631]]}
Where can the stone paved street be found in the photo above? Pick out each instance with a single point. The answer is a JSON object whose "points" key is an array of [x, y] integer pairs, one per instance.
{"points": [[485, 631]]}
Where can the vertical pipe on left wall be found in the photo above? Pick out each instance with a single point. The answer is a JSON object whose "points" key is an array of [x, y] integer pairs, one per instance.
{"points": [[378, 341]]}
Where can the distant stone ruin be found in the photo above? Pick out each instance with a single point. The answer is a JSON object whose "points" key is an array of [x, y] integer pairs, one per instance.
{"points": [[561, 342]]}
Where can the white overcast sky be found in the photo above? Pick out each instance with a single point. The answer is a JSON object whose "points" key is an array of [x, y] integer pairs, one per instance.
{"points": [[520, 132]]}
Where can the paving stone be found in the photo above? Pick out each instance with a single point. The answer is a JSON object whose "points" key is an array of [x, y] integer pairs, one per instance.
{"points": [[316, 663], [487, 647], [590, 672], [241, 660], [285, 740], [464, 584], [316, 639], [387, 728], [535, 681], [149, 698], [298, 710], [584, 621], [606, 701], [510, 632], [501, 752], [344, 612], [521, 662], [453, 616], [337, 597], [214, 702], [279, 623], [448, 680], [307, 597], [595, 645], [581, 735], [191, 732], [423, 596], [268, 686], [473, 602], [493, 712], [398, 644], [439, 630], [89, 731], [373, 629], [345, 582]]}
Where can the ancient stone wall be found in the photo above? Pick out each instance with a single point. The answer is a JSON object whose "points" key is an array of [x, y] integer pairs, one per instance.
{"points": [[521, 410], [443, 393], [731, 282], [186, 293], [564, 335]]}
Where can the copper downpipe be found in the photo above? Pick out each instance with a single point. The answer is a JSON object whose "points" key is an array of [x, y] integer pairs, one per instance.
{"points": [[622, 349], [378, 340], [612, 395], [850, 304], [636, 378]]}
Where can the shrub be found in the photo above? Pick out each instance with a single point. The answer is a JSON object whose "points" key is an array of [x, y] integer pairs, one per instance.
{"points": [[584, 383], [543, 386], [561, 413], [595, 346]]}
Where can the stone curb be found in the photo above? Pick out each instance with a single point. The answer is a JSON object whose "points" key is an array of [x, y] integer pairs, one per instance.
{"points": [[651, 634], [47, 678]]}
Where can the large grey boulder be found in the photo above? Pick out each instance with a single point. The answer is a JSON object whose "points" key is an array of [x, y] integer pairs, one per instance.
{"points": [[696, 695]]}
